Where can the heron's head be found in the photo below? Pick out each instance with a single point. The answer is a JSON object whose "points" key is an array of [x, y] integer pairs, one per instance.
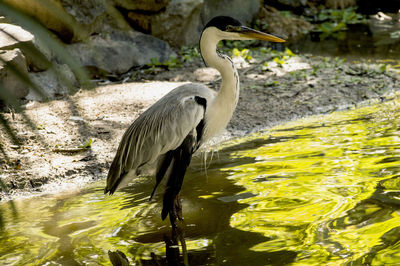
{"points": [[227, 28]]}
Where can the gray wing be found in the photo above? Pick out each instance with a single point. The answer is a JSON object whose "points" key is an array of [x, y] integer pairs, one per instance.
{"points": [[161, 128]]}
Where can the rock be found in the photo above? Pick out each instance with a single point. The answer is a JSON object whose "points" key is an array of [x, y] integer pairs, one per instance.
{"points": [[289, 4], [335, 4], [8, 80], [142, 6], [71, 20], [140, 12], [119, 51], [11, 35], [54, 82], [274, 22], [180, 23], [76, 118], [84, 12], [244, 11], [93, 16], [297, 6], [37, 54], [53, 17], [183, 20], [139, 21]]}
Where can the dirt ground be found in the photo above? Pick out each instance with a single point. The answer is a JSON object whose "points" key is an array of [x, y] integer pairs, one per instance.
{"points": [[52, 158]]}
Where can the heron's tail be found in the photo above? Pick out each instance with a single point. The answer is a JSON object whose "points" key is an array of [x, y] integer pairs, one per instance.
{"points": [[114, 177]]}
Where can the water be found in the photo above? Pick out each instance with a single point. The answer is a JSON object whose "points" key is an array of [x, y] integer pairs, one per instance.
{"points": [[319, 191], [376, 41]]}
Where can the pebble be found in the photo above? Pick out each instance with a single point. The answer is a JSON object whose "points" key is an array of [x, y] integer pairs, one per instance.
{"points": [[76, 118]]}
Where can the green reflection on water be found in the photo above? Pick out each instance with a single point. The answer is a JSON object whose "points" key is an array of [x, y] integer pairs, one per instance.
{"points": [[317, 188], [319, 191]]}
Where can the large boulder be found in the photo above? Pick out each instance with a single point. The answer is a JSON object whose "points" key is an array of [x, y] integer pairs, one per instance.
{"points": [[288, 4], [274, 22], [93, 16], [53, 17], [13, 59], [335, 4], [180, 23], [12, 35], [142, 6], [244, 11], [118, 51], [298, 6], [36, 53], [71, 20], [56, 81]]}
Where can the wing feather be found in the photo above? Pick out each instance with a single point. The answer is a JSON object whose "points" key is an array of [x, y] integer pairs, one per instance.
{"points": [[161, 128]]}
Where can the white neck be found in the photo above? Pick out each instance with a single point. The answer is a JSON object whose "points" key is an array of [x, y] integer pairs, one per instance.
{"points": [[220, 110]]}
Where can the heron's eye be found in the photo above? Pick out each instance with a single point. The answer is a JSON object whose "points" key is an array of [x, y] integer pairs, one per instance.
{"points": [[231, 28]]}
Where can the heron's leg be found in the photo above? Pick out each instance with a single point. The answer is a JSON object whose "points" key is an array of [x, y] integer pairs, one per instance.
{"points": [[178, 207], [176, 211], [181, 159], [179, 234], [172, 218]]}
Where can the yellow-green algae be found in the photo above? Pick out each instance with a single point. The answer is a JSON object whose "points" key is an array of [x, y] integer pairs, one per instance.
{"points": [[323, 168], [323, 190]]}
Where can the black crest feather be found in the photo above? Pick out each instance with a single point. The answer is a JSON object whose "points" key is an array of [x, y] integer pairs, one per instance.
{"points": [[221, 22]]}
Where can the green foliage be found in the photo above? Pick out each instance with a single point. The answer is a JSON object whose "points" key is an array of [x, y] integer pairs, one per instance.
{"points": [[173, 62], [271, 83], [87, 144], [286, 14], [280, 58], [186, 54], [243, 53], [333, 22], [382, 68], [265, 50], [228, 45], [299, 74], [260, 25], [289, 52], [347, 16], [333, 29]]}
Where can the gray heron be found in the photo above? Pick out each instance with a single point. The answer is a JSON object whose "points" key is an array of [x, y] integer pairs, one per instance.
{"points": [[167, 134]]}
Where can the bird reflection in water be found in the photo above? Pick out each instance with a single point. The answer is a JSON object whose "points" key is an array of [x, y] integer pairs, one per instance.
{"points": [[174, 246]]}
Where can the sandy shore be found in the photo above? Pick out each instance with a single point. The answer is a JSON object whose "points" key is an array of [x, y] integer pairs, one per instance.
{"points": [[51, 158]]}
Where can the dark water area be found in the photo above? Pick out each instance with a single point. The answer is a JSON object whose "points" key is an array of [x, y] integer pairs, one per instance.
{"points": [[376, 41], [319, 191], [373, 6]]}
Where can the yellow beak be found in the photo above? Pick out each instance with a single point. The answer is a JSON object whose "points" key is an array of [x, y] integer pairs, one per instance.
{"points": [[255, 34]]}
